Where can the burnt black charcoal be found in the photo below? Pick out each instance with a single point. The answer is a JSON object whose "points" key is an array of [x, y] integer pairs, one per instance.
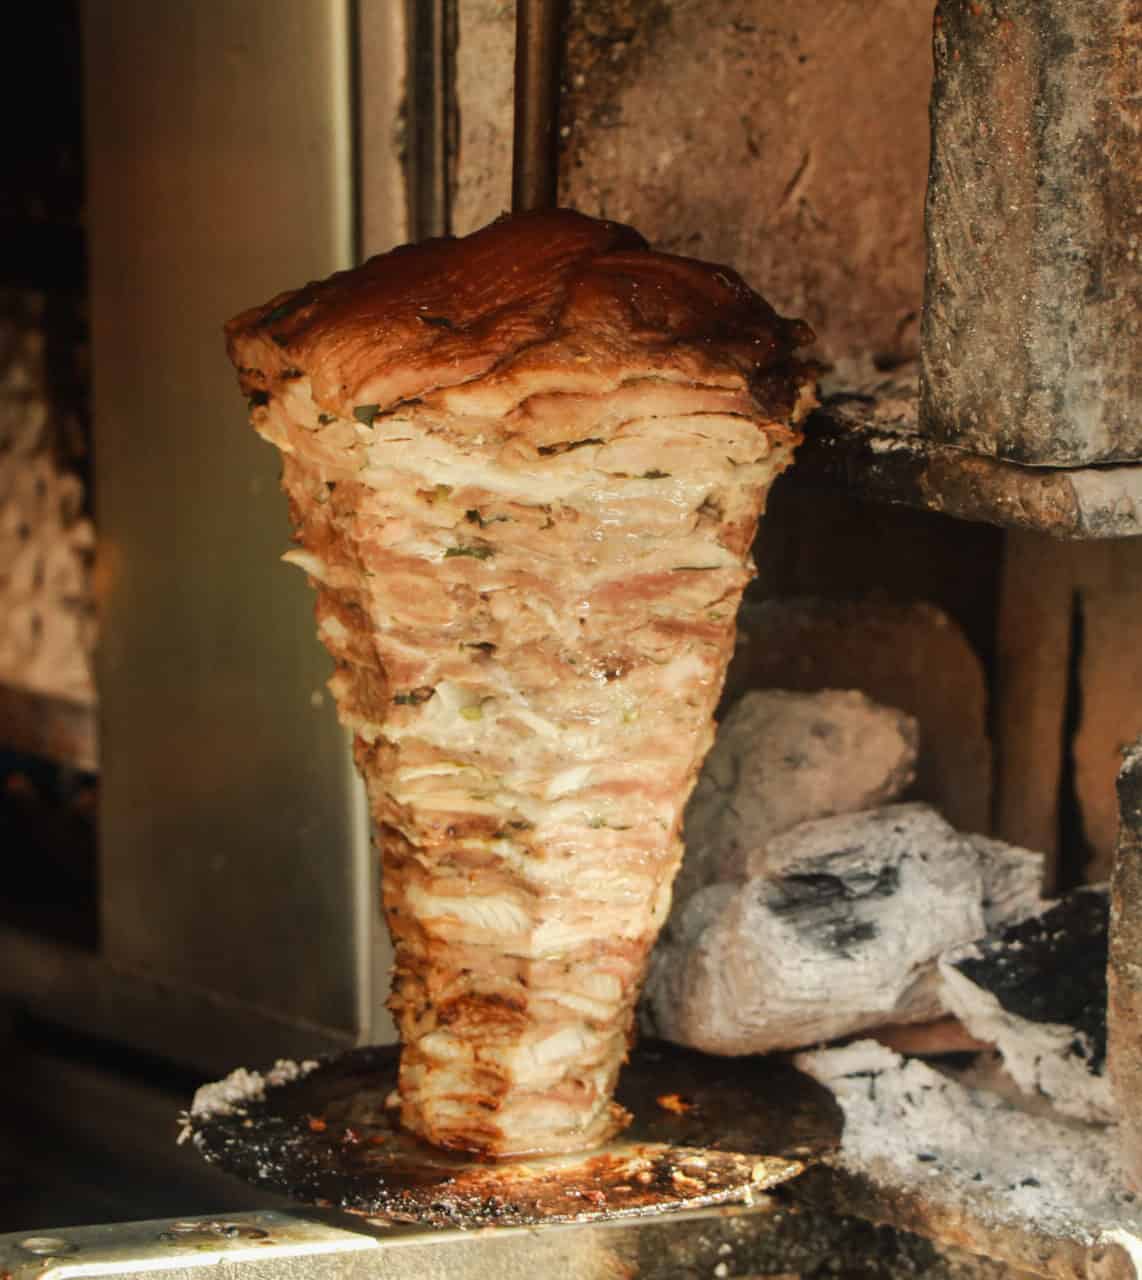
{"points": [[1052, 968], [824, 888], [822, 903]]}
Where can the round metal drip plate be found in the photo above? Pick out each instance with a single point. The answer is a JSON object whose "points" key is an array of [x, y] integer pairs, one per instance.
{"points": [[705, 1131]]}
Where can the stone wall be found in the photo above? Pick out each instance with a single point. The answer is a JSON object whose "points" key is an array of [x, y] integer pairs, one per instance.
{"points": [[789, 139]]}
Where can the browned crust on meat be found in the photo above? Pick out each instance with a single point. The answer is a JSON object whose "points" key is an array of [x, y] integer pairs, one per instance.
{"points": [[570, 295]]}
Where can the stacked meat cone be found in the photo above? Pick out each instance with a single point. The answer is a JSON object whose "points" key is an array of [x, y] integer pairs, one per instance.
{"points": [[525, 469]]}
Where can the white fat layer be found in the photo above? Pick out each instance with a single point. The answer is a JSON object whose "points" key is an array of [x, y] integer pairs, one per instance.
{"points": [[541, 1064], [588, 476], [568, 781], [448, 722], [445, 1047], [333, 631], [310, 563], [485, 912]]}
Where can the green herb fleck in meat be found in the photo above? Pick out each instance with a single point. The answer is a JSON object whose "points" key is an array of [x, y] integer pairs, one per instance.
{"points": [[477, 552], [414, 697], [474, 517], [366, 413]]}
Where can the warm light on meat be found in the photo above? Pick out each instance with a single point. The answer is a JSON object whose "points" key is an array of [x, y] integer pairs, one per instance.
{"points": [[525, 469]]}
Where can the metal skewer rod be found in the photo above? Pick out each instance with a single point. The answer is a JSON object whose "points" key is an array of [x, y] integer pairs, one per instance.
{"points": [[535, 150]]}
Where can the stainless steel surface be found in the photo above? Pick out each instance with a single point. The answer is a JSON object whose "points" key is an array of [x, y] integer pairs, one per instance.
{"points": [[382, 75], [733, 1243], [271, 1243], [284, 1247], [235, 856], [88, 1135], [203, 1030], [535, 147]]}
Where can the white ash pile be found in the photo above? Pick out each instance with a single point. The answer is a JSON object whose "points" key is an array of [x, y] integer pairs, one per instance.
{"points": [[809, 906], [939, 1156]]}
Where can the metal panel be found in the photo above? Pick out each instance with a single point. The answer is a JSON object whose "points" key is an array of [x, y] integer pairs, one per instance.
{"points": [[384, 111], [766, 1239], [278, 1246], [235, 856], [206, 1032]]}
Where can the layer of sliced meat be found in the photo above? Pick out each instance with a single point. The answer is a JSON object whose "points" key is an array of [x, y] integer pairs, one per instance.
{"points": [[525, 470]]}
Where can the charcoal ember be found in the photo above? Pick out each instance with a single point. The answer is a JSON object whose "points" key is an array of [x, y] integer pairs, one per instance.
{"points": [[1012, 881], [782, 758], [1037, 990], [838, 929], [890, 652]]}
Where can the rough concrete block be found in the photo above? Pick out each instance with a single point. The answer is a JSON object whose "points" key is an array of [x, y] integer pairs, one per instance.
{"points": [[1030, 331], [1124, 1007], [788, 139]]}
